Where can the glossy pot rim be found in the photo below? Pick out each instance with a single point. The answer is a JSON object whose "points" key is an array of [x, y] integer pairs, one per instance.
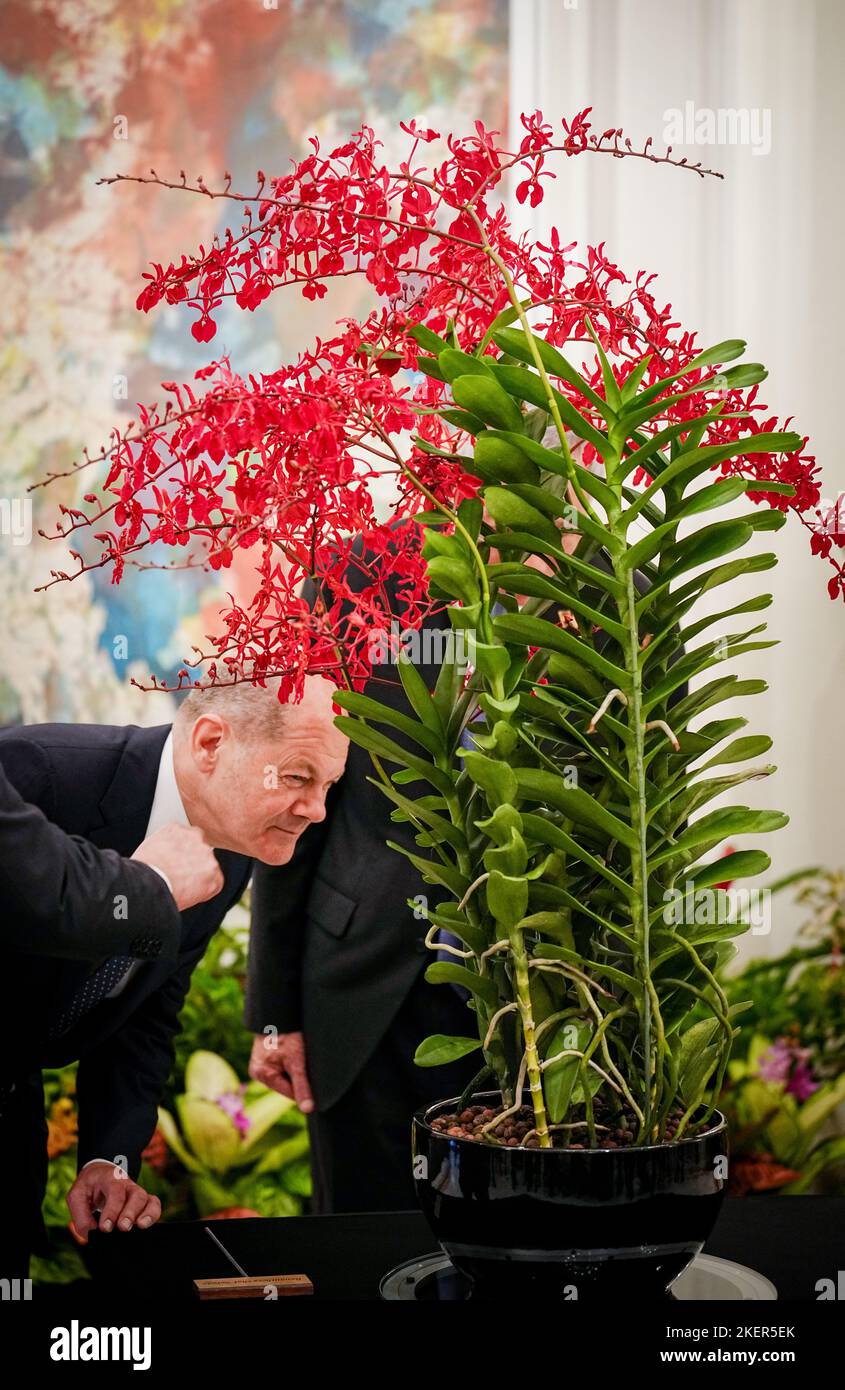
{"points": [[421, 1119]]}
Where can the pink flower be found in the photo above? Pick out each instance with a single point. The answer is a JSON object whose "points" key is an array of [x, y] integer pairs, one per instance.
{"points": [[233, 1104], [788, 1064], [801, 1084], [775, 1062]]}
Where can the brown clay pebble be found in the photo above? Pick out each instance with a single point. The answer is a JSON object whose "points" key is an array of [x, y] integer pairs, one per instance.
{"points": [[616, 1127]]}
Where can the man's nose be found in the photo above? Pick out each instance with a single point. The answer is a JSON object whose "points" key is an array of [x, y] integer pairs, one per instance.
{"points": [[311, 805]]}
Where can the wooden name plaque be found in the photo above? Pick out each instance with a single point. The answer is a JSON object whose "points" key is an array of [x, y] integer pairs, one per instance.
{"points": [[266, 1286]]}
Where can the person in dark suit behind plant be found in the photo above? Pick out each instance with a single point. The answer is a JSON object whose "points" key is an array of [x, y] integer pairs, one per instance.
{"points": [[336, 993], [248, 774]]}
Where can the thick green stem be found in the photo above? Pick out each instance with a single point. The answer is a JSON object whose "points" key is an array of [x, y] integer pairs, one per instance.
{"points": [[634, 748], [532, 1058]]}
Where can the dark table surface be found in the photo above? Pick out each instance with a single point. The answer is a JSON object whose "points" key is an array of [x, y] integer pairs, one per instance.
{"points": [[794, 1241]]}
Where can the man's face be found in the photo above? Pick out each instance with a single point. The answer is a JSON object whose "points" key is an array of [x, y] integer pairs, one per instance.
{"points": [[259, 795]]}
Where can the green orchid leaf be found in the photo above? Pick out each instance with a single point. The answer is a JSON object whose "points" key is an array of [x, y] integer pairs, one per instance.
{"points": [[550, 790], [528, 582], [419, 697], [368, 708], [536, 632], [496, 460], [484, 398], [507, 898], [496, 779], [559, 1077], [454, 363], [367, 738], [434, 871], [414, 810], [743, 863], [509, 510], [516, 343], [442, 972], [440, 1049], [432, 342], [552, 460], [454, 578]]}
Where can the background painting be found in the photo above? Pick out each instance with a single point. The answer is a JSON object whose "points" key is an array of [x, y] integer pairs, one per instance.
{"points": [[89, 88]]}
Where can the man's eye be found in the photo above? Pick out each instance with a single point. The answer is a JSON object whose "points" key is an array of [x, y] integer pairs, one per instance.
{"points": [[292, 779]]}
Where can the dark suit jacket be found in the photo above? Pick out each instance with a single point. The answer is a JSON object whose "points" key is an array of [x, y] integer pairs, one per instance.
{"points": [[61, 891], [334, 946], [98, 781]]}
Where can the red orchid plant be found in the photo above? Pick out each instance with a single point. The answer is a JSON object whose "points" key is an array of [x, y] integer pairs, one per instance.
{"points": [[282, 465], [541, 418]]}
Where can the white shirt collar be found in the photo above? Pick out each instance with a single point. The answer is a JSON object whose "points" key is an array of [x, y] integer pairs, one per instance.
{"points": [[167, 803]]}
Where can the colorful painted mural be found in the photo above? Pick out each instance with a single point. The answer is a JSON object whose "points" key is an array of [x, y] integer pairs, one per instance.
{"points": [[89, 88]]}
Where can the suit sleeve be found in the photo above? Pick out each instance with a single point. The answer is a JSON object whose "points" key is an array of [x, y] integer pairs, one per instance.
{"points": [[277, 929], [119, 1084], [61, 895], [277, 935]]}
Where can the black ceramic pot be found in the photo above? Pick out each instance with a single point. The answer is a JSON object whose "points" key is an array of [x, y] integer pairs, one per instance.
{"points": [[569, 1223]]}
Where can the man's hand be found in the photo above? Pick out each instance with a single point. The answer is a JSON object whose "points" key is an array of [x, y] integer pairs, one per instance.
{"points": [[278, 1061], [105, 1187], [184, 855]]}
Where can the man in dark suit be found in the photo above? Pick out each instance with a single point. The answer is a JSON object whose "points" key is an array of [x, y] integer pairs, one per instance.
{"points": [[59, 894], [250, 775], [336, 993]]}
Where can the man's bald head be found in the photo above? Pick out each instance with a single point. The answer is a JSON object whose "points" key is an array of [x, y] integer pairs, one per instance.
{"points": [[253, 772], [254, 711]]}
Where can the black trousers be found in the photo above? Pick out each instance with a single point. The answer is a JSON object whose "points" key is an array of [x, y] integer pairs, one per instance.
{"points": [[23, 1173], [361, 1146]]}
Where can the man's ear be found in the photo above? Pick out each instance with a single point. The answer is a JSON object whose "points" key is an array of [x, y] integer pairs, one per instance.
{"points": [[207, 735]]}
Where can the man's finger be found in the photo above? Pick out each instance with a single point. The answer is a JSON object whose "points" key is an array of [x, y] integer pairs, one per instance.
{"points": [[150, 1213], [132, 1208], [80, 1201], [116, 1195], [80, 1239], [277, 1080], [301, 1088], [270, 1070]]}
